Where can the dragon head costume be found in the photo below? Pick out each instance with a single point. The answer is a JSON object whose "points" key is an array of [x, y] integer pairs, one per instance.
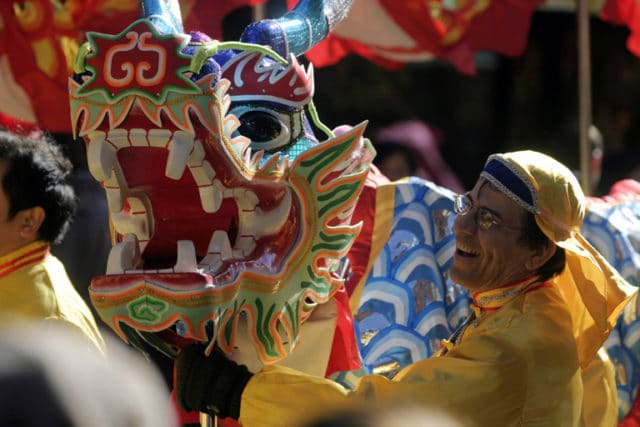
{"points": [[226, 208]]}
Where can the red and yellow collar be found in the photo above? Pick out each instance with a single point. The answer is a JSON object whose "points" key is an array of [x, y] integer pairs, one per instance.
{"points": [[493, 299], [23, 257], [489, 301]]}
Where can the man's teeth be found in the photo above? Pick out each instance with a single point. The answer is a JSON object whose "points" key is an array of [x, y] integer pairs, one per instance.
{"points": [[466, 252]]}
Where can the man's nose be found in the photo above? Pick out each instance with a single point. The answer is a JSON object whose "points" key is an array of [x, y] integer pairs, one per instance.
{"points": [[465, 223]]}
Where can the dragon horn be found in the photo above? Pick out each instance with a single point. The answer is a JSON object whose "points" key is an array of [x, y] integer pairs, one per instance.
{"points": [[164, 14], [300, 29]]}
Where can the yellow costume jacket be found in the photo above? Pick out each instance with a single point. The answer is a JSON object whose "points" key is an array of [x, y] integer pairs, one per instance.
{"points": [[516, 364], [35, 285]]}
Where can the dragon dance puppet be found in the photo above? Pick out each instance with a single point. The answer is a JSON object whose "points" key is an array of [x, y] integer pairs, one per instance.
{"points": [[242, 222]]}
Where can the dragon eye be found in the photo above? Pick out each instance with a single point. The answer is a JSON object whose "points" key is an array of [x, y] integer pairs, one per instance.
{"points": [[268, 129], [260, 126]]}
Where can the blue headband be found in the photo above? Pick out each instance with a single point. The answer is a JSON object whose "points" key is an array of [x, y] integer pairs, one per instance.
{"points": [[507, 178]]}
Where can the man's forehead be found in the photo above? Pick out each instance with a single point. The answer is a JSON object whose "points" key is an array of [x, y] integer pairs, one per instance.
{"points": [[487, 192]]}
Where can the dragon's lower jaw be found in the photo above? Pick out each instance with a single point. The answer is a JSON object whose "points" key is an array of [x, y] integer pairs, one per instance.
{"points": [[164, 310]]}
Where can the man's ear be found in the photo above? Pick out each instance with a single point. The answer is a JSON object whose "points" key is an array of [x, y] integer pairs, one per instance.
{"points": [[29, 221], [540, 256]]}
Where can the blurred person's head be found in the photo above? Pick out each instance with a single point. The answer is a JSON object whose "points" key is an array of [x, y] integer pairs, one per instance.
{"points": [[396, 161], [37, 201], [412, 148], [50, 377]]}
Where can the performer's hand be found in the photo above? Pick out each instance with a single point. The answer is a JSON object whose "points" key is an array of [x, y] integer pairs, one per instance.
{"points": [[213, 384]]}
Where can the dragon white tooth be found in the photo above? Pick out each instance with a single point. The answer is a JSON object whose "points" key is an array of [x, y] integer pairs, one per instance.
{"points": [[245, 245], [100, 156], [115, 188], [159, 137], [180, 147], [210, 171], [114, 199], [125, 255], [134, 221], [258, 223], [246, 200], [116, 263], [186, 260], [211, 197], [197, 155], [142, 244], [203, 174], [211, 263], [119, 138], [124, 222], [220, 243], [96, 135], [138, 138]]}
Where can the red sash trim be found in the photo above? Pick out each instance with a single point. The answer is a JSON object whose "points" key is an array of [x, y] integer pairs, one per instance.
{"points": [[23, 258]]}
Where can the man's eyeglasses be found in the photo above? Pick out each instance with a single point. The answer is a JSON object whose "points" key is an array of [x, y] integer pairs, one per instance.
{"points": [[484, 218]]}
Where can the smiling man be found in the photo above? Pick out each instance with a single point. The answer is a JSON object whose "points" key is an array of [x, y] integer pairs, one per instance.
{"points": [[544, 302]]}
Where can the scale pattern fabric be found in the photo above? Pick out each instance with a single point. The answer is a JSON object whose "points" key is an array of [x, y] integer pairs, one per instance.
{"points": [[409, 305]]}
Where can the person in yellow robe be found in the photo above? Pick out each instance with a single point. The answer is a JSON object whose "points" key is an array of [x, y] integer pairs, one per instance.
{"points": [[37, 204], [544, 301]]}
